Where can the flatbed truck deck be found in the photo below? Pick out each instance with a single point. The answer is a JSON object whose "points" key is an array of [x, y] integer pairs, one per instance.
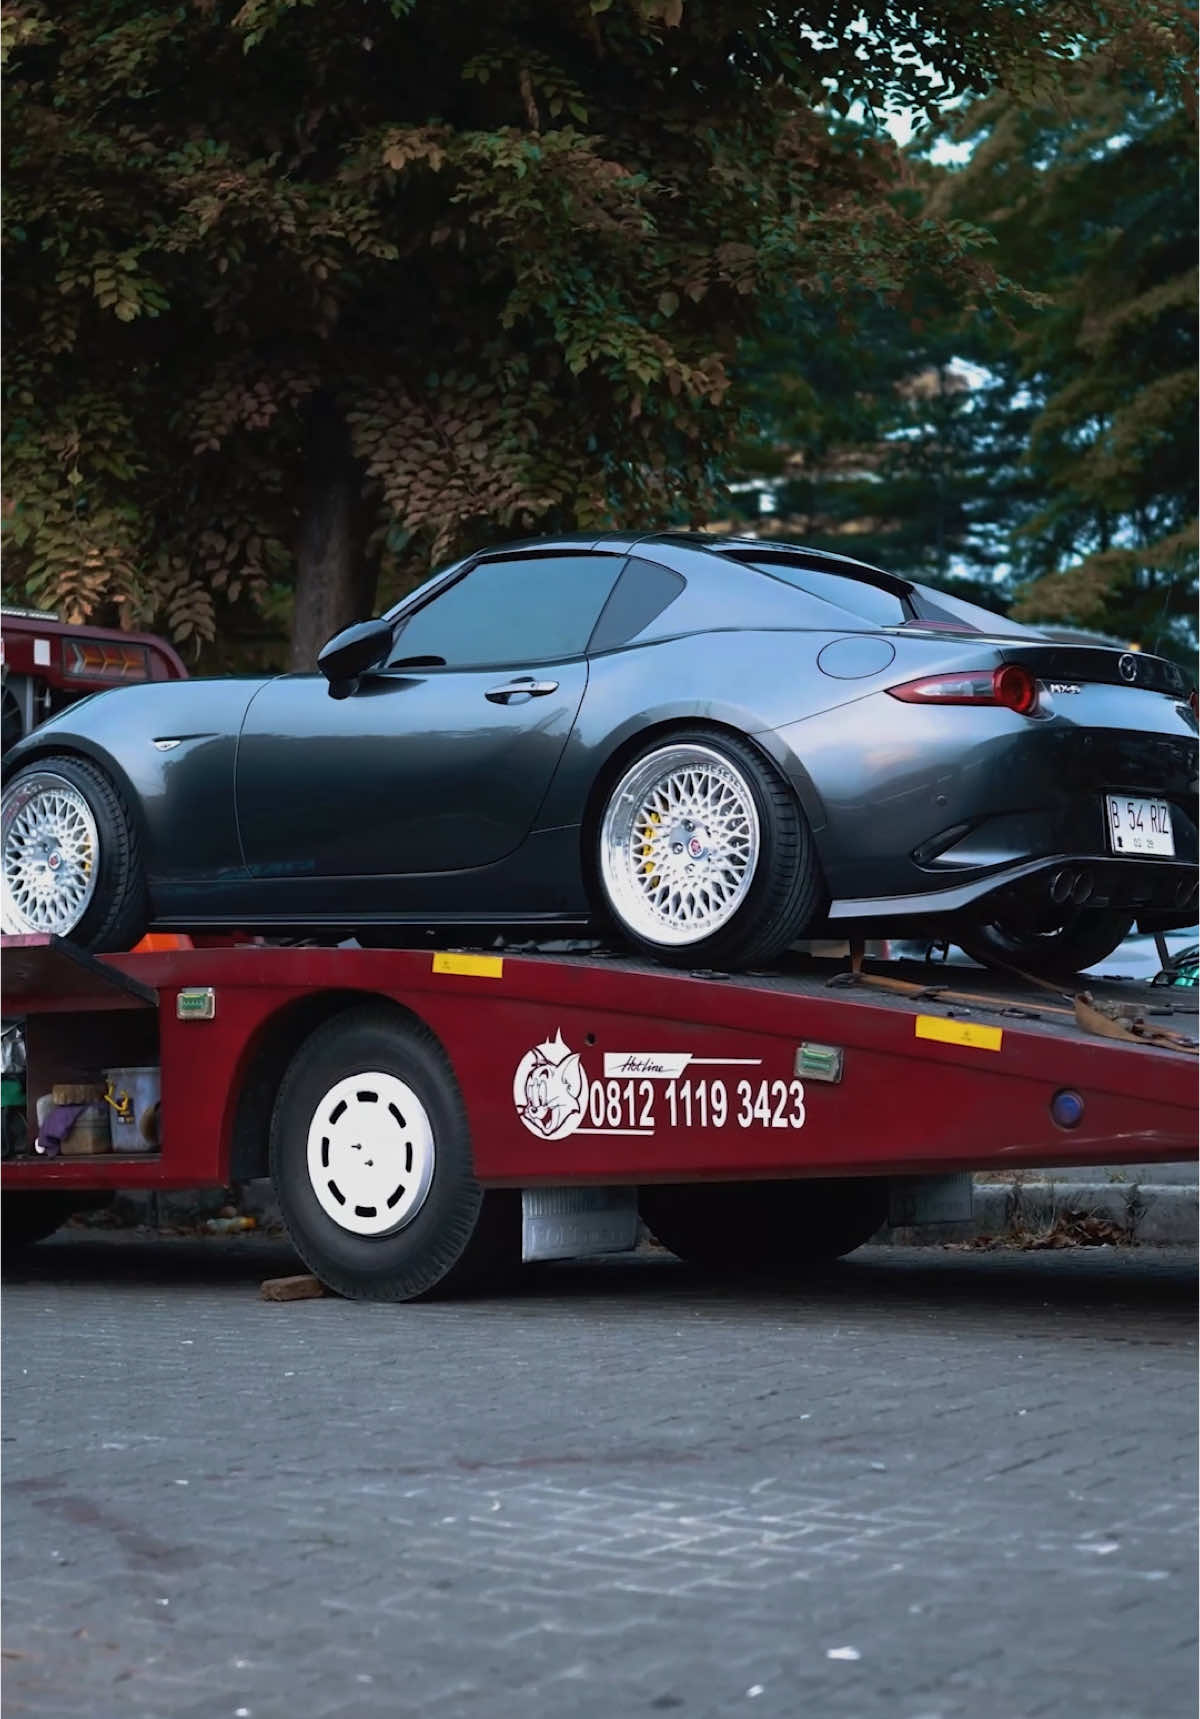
{"points": [[429, 1117]]}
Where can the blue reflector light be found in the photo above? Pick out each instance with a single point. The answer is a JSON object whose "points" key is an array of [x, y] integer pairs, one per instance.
{"points": [[1066, 1107]]}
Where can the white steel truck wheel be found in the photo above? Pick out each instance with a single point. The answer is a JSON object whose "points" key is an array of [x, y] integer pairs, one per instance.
{"points": [[371, 1161], [704, 855]]}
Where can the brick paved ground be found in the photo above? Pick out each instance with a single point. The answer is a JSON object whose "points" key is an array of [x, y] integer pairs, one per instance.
{"points": [[933, 1484]]}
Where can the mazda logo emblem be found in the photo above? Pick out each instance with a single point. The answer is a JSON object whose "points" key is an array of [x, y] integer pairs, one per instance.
{"points": [[1127, 668]]}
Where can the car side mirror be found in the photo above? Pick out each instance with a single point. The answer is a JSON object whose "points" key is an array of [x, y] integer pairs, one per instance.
{"points": [[353, 652]]}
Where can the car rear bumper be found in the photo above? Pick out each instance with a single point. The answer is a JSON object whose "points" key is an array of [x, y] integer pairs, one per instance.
{"points": [[934, 809], [1160, 887]]}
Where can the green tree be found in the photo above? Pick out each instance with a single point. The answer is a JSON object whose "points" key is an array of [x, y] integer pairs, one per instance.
{"points": [[299, 295], [1069, 466], [1092, 204], [871, 434]]}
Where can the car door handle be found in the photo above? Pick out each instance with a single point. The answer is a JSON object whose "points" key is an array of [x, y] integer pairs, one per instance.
{"points": [[527, 687]]}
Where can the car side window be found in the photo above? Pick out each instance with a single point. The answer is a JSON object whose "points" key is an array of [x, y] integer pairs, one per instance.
{"points": [[639, 596], [512, 611]]}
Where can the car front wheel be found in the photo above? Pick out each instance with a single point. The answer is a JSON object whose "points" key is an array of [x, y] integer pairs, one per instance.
{"points": [[70, 857], [705, 856]]}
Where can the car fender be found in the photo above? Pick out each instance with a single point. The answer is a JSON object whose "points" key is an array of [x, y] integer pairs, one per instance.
{"points": [[614, 720], [169, 749]]}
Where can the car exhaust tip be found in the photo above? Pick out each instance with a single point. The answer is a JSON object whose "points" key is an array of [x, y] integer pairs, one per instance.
{"points": [[1081, 888], [1061, 885]]}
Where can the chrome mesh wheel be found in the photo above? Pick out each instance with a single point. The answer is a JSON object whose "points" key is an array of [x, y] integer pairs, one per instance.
{"points": [[51, 848], [679, 844]]}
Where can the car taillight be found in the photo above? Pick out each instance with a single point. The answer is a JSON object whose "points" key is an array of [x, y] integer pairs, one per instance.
{"points": [[1192, 700], [1011, 686]]}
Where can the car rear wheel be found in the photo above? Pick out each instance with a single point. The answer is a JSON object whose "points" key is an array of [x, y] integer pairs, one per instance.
{"points": [[704, 854], [1076, 944], [775, 1226], [371, 1162], [70, 857]]}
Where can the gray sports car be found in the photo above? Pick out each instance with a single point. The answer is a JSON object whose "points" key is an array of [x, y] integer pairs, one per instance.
{"points": [[711, 746]]}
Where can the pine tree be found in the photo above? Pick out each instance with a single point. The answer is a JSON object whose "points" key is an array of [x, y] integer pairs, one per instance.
{"points": [[1092, 203]]}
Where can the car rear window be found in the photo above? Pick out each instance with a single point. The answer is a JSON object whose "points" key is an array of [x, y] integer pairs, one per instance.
{"points": [[940, 608], [868, 602]]}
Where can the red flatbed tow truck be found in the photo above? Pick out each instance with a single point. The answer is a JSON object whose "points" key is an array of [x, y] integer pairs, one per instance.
{"points": [[431, 1117]]}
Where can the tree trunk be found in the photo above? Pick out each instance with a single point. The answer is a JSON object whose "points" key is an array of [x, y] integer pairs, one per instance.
{"points": [[334, 585]]}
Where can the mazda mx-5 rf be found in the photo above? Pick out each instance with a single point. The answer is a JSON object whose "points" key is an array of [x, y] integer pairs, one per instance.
{"points": [[712, 747]]}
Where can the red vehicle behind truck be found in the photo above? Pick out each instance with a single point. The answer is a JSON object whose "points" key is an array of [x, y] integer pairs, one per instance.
{"points": [[429, 1118], [48, 664]]}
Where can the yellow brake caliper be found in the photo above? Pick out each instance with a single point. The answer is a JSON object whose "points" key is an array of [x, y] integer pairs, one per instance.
{"points": [[648, 855]]}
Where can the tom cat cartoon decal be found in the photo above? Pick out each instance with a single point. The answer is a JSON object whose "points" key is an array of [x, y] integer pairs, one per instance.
{"points": [[641, 1090], [550, 1090]]}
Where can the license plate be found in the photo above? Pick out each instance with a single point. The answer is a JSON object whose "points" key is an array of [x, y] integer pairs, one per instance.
{"points": [[1140, 826]]}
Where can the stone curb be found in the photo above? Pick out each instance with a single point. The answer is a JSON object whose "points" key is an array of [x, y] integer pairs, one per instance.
{"points": [[1151, 1214]]}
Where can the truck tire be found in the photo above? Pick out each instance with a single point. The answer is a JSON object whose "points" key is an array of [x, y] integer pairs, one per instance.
{"points": [[370, 1156], [704, 856], [14, 697], [769, 1226], [1083, 939], [29, 1217], [71, 856]]}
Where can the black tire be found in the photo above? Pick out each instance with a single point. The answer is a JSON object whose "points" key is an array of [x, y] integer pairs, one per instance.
{"points": [[12, 714], [767, 1226], [29, 1217], [117, 914], [787, 891], [459, 1237], [1073, 947]]}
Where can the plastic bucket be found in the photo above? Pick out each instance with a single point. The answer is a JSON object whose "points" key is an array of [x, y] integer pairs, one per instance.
{"points": [[133, 1096]]}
